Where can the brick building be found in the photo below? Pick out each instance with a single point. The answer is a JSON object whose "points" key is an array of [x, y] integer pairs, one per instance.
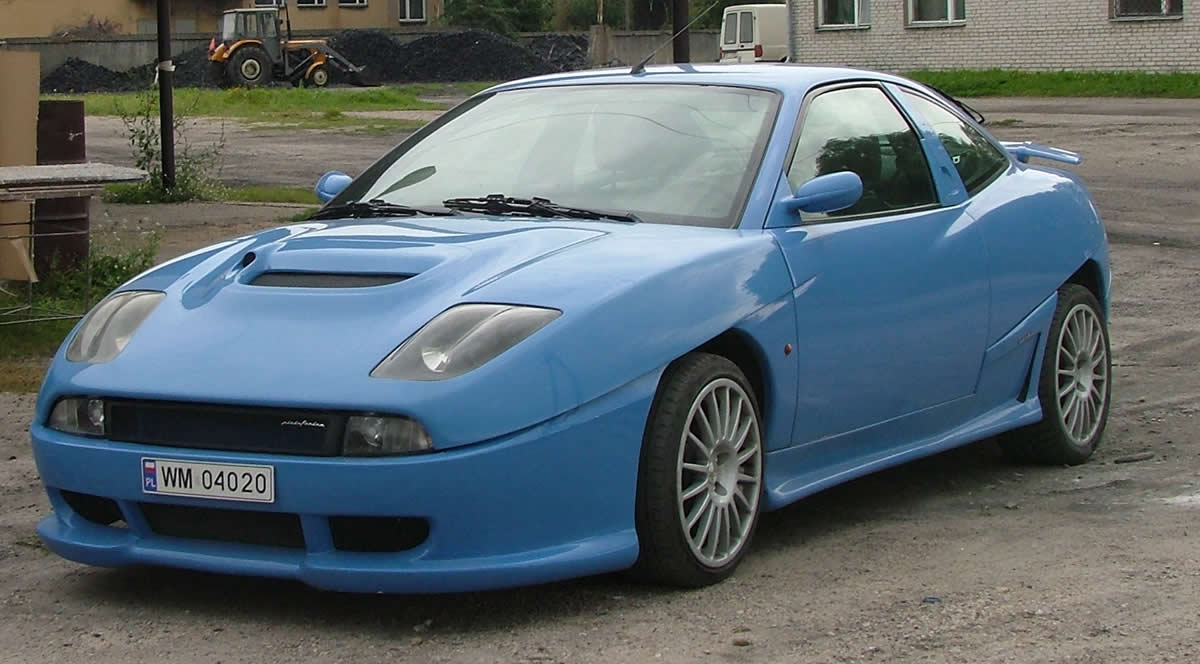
{"points": [[903, 35]]}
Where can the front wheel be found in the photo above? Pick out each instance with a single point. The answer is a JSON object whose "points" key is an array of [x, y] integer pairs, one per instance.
{"points": [[318, 77], [1074, 386], [701, 475]]}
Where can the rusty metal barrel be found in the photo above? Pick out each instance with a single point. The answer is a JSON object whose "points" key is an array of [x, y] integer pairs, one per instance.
{"points": [[61, 226]]}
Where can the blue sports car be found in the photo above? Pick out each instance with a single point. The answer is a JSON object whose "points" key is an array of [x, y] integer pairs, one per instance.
{"points": [[586, 322]]}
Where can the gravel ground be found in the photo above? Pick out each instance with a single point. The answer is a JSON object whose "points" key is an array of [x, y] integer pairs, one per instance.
{"points": [[954, 558]]}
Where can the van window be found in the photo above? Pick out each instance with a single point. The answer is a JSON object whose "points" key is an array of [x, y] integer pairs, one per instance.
{"points": [[747, 31], [731, 25]]}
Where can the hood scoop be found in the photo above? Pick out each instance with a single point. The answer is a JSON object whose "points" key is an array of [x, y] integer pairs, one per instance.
{"points": [[281, 279]]}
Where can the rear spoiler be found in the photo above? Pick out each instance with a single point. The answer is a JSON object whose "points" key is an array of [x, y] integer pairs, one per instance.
{"points": [[1024, 150]]}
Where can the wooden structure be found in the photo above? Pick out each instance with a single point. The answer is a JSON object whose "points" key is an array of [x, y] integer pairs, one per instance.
{"points": [[31, 183]]}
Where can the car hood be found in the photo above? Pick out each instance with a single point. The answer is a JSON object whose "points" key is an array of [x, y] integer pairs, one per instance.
{"points": [[311, 339]]}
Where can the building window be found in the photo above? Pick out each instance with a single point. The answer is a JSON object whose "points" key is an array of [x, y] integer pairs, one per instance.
{"points": [[843, 13], [268, 3], [1147, 8], [937, 11], [352, 3], [310, 3], [412, 10]]}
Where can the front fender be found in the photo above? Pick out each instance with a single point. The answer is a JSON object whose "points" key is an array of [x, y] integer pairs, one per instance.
{"points": [[622, 322]]}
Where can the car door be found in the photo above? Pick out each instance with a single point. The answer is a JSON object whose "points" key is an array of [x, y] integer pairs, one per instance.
{"points": [[269, 28], [745, 39], [892, 294]]}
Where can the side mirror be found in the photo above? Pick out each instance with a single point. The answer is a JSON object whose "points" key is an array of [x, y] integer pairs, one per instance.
{"points": [[331, 184], [826, 193]]}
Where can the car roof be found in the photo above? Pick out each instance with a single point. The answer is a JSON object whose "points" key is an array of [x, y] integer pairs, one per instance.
{"points": [[788, 78]]}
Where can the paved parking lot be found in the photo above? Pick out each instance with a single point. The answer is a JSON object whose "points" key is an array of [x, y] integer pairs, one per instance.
{"points": [[958, 558]]}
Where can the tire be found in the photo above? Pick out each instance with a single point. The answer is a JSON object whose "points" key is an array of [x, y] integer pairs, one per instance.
{"points": [[250, 66], [1071, 426], [318, 77], [726, 493]]}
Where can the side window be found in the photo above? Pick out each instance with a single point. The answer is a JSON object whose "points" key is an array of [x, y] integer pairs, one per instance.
{"points": [[860, 130], [978, 161]]}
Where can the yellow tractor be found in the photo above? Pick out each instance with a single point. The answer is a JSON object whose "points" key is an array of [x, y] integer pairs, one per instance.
{"points": [[252, 51]]}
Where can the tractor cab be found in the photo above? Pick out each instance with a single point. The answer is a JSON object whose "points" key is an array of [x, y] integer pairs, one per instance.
{"points": [[253, 51], [258, 24]]}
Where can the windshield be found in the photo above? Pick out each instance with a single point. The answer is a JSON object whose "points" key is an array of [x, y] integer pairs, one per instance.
{"points": [[228, 27], [681, 154]]}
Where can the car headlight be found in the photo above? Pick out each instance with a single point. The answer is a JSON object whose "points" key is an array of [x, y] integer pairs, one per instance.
{"points": [[370, 435], [462, 339], [110, 325], [79, 416]]}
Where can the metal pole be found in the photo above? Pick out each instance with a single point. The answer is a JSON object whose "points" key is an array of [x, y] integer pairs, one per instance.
{"points": [[679, 20], [166, 104]]}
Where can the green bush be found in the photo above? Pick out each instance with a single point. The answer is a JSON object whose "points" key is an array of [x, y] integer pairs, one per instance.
{"points": [[506, 17], [108, 265], [582, 13], [194, 168]]}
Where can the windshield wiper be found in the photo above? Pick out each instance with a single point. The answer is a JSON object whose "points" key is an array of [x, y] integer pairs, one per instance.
{"points": [[375, 208], [534, 207]]}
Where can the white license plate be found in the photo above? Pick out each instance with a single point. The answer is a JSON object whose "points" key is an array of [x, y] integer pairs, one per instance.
{"points": [[221, 481]]}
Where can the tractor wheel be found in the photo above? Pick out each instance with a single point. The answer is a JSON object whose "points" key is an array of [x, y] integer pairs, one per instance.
{"points": [[250, 66], [318, 77]]}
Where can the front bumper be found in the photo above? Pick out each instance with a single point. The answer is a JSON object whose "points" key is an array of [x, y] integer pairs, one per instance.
{"points": [[552, 502]]}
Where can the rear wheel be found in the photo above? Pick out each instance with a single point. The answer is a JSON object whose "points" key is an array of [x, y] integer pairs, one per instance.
{"points": [[1074, 386], [700, 481], [250, 66]]}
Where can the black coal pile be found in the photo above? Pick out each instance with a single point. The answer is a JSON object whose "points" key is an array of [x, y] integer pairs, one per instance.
{"points": [[192, 70], [470, 55], [563, 52], [77, 75], [374, 49]]}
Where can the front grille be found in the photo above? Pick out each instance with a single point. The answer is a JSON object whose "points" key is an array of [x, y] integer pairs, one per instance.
{"points": [[279, 431], [238, 526]]}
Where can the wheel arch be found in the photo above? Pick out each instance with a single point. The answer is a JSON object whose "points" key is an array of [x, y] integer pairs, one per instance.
{"points": [[1090, 277], [739, 348]]}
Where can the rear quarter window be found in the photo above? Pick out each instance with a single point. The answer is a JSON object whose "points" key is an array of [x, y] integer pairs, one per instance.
{"points": [[976, 159]]}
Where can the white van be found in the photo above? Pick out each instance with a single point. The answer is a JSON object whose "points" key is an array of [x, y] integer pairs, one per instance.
{"points": [[754, 33]]}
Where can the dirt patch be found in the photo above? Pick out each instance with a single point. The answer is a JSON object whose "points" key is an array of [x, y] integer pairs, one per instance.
{"points": [[959, 557]]}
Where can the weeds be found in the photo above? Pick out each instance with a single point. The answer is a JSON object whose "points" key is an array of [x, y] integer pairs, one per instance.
{"points": [[26, 348], [195, 168]]}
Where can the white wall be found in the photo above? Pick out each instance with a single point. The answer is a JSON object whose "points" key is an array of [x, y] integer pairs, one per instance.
{"points": [[1008, 34]]}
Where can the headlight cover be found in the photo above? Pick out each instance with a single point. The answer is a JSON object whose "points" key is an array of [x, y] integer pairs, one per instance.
{"points": [[110, 325], [461, 339], [78, 415]]}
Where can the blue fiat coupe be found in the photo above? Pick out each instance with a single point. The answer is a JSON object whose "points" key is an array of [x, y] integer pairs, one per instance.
{"points": [[581, 323]]}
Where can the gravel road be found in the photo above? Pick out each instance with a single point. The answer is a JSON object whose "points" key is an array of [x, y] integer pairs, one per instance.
{"points": [[955, 558]]}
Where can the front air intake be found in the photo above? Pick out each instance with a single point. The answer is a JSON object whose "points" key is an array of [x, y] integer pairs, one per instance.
{"points": [[325, 280]]}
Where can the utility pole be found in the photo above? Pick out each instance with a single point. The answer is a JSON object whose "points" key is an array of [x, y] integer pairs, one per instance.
{"points": [[679, 20], [166, 103]]}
